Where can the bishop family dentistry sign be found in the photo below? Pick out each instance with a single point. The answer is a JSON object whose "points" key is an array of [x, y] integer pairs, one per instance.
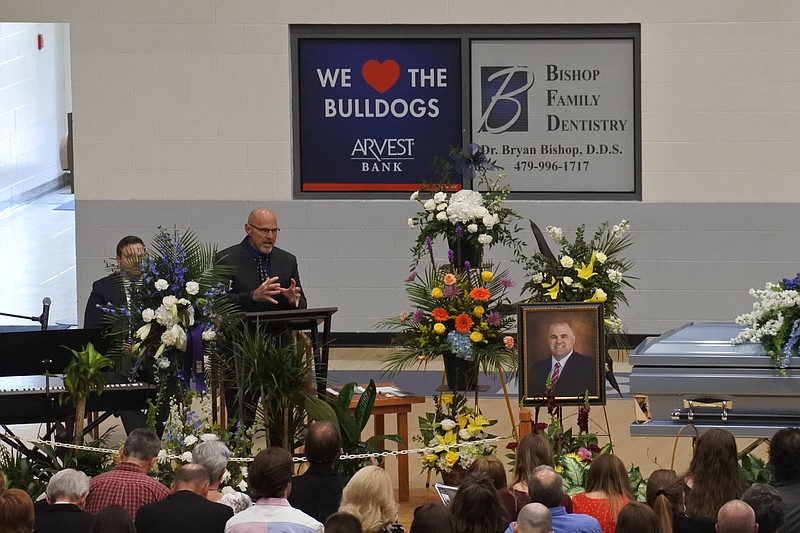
{"points": [[556, 106]]}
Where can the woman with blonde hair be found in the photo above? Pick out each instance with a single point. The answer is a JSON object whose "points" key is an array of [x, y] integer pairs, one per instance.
{"points": [[665, 493], [608, 490], [713, 477], [533, 450], [369, 496]]}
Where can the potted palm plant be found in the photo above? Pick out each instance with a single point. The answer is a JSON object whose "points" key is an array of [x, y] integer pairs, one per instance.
{"points": [[83, 375]]}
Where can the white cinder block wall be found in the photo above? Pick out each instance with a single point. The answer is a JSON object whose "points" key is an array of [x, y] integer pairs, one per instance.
{"points": [[31, 120], [182, 117]]}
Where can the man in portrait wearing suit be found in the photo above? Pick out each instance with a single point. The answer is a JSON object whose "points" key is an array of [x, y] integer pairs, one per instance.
{"points": [[186, 509], [571, 373], [266, 277], [111, 289]]}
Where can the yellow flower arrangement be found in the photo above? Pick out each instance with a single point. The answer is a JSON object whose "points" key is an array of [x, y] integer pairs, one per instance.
{"points": [[453, 423]]}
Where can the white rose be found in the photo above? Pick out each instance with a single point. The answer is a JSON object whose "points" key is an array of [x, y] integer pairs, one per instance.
{"points": [[190, 440], [481, 212], [567, 261], [410, 222], [163, 362], [186, 457], [430, 217], [441, 207], [567, 281], [472, 228], [483, 238], [209, 335], [242, 486], [439, 197], [448, 424], [162, 285], [169, 301], [414, 195], [192, 287], [489, 221], [429, 204], [464, 434], [601, 257], [205, 437], [441, 215], [148, 315], [162, 456]]}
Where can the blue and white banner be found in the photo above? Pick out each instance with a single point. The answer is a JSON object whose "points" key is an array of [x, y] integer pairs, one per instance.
{"points": [[375, 112]]}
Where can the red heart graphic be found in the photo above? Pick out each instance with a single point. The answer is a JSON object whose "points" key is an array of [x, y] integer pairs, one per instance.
{"points": [[381, 76]]}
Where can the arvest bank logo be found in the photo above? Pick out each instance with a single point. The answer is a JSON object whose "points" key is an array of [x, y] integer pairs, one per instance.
{"points": [[504, 99]]}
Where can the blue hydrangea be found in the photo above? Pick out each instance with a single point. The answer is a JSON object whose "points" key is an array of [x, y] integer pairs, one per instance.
{"points": [[460, 345]]}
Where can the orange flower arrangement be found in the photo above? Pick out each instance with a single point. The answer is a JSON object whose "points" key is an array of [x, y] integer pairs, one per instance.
{"points": [[439, 314], [463, 323], [480, 294]]}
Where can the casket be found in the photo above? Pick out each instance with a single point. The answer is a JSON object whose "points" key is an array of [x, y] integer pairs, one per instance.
{"points": [[694, 375]]}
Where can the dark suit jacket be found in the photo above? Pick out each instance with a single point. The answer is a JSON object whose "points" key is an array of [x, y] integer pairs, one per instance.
{"points": [[61, 518], [104, 290], [577, 376], [183, 511], [245, 279], [317, 492]]}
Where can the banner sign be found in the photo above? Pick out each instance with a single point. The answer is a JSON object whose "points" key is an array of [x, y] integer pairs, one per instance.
{"points": [[373, 113], [557, 114]]}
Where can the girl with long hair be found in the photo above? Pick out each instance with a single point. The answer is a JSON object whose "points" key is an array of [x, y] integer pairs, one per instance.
{"points": [[608, 490], [476, 508], [665, 495], [713, 477], [432, 518]]}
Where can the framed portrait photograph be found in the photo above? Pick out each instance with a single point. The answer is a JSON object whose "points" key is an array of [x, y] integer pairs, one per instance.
{"points": [[561, 344]]}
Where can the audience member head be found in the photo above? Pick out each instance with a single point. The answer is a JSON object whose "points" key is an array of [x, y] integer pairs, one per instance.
{"points": [[212, 455], [533, 450], [323, 443], [736, 517], [69, 486], [191, 477], [271, 473], [16, 512], [533, 518], [784, 455], [112, 519], [544, 486], [713, 474], [343, 523], [637, 518], [768, 505], [665, 495], [476, 507], [432, 518], [491, 467], [130, 250], [141, 447], [369, 496], [607, 474]]}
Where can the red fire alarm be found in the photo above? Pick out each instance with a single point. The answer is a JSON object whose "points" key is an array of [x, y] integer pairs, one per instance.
{"points": [[41, 41]]}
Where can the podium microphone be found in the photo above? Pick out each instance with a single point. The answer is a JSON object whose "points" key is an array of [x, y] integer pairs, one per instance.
{"points": [[45, 312]]}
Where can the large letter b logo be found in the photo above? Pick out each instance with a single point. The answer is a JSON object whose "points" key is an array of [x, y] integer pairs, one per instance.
{"points": [[504, 98]]}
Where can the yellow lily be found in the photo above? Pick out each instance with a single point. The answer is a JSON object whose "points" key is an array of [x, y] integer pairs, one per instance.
{"points": [[587, 271], [446, 439], [462, 421], [598, 296], [430, 458], [555, 286]]}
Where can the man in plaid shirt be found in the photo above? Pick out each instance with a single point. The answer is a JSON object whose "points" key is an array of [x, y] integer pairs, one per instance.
{"points": [[128, 485]]}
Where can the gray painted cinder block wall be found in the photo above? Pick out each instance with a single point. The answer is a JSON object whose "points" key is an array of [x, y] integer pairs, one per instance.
{"points": [[695, 261]]}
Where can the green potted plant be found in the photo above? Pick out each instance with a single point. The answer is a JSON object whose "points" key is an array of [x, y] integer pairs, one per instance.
{"points": [[83, 375]]}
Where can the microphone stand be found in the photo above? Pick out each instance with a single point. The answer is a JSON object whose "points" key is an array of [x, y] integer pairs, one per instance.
{"points": [[39, 319]]}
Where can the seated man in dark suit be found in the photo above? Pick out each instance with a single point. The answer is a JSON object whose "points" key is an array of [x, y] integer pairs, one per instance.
{"points": [[63, 512], [570, 373], [186, 509], [111, 289], [318, 491]]}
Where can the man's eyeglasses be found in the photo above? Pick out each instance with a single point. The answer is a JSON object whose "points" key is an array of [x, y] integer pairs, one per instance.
{"points": [[266, 231]]}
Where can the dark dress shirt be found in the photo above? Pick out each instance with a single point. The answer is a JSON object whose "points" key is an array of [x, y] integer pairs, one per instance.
{"points": [[317, 492], [61, 518], [183, 512]]}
